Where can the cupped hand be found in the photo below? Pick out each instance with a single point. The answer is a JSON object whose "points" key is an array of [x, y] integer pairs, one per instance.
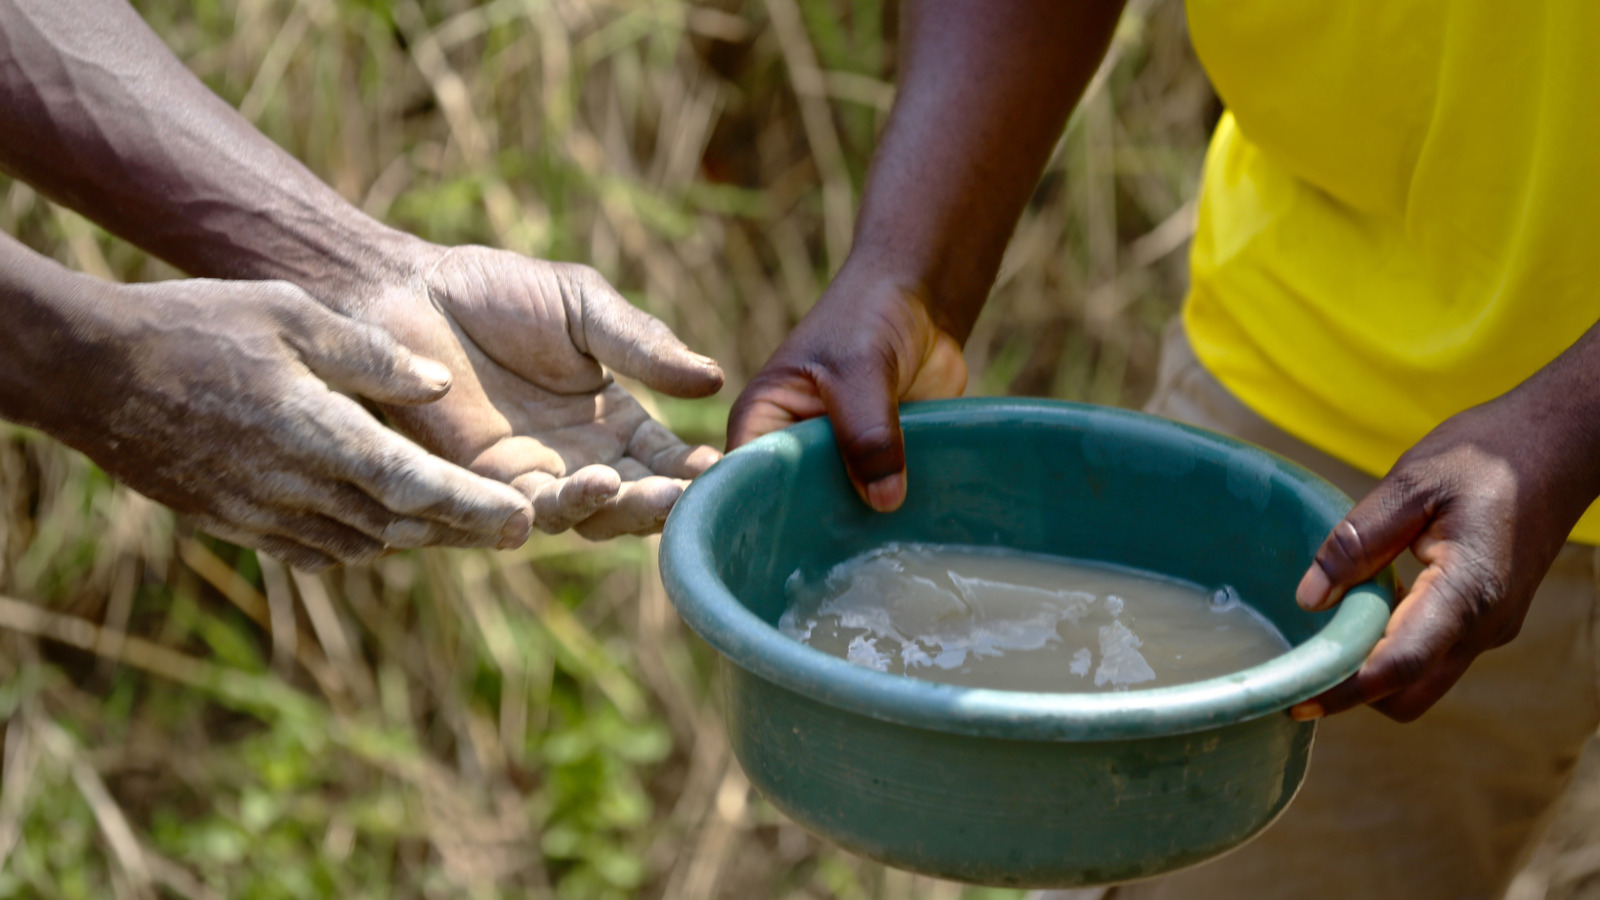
{"points": [[214, 398], [532, 403], [868, 344], [1485, 502]]}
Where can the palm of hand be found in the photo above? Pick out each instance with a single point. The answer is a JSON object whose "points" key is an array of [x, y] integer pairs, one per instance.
{"points": [[532, 404]]}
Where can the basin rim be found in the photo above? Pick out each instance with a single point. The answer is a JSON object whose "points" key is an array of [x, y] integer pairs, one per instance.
{"points": [[706, 605]]}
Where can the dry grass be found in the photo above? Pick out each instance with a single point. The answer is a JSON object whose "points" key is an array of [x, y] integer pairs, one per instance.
{"points": [[183, 719]]}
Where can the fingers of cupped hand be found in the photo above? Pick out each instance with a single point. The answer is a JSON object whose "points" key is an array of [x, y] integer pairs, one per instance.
{"points": [[349, 506], [361, 358], [1367, 539], [630, 340], [313, 540], [600, 502], [313, 526], [640, 507], [561, 503], [664, 453], [307, 541], [407, 480]]}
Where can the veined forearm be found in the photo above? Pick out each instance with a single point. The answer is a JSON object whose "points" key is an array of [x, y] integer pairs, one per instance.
{"points": [[985, 88], [99, 115]]}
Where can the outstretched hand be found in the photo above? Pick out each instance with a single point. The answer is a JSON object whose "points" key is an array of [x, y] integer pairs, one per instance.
{"points": [[1485, 502], [532, 404], [868, 344], [216, 398]]}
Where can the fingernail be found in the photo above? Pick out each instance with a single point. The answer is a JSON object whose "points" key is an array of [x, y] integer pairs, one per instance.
{"points": [[886, 494], [516, 530], [434, 373], [1308, 711], [1312, 594]]}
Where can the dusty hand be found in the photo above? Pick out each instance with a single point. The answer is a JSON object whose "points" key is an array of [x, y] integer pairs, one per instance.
{"points": [[867, 345], [1485, 502], [213, 398], [532, 404]]}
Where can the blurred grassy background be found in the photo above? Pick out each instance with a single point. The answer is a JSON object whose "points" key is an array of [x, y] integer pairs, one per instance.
{"points": [[183, 719]]}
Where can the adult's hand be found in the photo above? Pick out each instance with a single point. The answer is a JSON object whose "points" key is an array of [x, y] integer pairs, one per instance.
{"points": [[1485, 502], [986, 87], [216, 398], [868, 344], [101, 96], [532, 404]]}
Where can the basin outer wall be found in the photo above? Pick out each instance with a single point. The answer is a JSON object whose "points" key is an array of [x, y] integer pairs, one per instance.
{"points": [[1071, 804], [1009, 788]]}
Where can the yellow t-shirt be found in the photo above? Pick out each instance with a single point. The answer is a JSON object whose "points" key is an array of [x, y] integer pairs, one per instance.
{"points": [[1399, 213]]}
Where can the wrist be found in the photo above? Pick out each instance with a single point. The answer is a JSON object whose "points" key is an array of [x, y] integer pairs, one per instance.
{"points": [[1559, 427], [951, 303], [61, 335], [345, 260]]}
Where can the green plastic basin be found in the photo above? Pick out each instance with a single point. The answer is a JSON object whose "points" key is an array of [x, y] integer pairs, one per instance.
{"points": [[1004, 787]]}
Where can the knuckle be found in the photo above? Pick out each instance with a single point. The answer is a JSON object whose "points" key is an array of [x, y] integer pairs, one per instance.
{"points": [[285, 296], [871, 441], [577, 282], [348, 547], [228, 517], [402, 482], [865, 358], [408, 494], [1405, 483], [407, 533], [291, 309], [1475, 588], [368, 346], [1344, 547], [577, 275], [1402, 667], [552, 516], [875, 450]]}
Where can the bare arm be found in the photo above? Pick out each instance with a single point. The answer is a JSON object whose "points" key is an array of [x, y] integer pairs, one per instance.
{"points": [[986, 87], [101, 117], [214, 398], [110, 123]]}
